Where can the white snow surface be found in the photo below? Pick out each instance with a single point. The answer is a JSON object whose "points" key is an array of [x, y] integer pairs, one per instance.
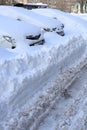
{"points": [[17, 31], [33, 79], [30, 17]]}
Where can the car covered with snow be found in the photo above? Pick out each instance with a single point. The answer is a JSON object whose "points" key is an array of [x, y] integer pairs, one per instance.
{"points": [[15, 33], [44, 22]]}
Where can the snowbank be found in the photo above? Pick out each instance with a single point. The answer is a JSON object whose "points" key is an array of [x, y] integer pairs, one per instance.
{"points": [[32, 79]]}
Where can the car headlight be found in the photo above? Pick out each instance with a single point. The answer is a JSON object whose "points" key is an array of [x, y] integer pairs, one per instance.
{"points": [[10, 40]]}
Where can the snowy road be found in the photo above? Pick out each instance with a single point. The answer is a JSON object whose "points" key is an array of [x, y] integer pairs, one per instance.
{"points": [[70, 112]]}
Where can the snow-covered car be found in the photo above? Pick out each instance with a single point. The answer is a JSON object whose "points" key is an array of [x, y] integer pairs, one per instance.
{"points": [[15, 33], [45, 23], [52, 13]]}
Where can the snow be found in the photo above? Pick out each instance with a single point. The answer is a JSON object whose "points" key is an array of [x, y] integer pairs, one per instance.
{"points": [[17, 31], [34, 80], [30, 17]]}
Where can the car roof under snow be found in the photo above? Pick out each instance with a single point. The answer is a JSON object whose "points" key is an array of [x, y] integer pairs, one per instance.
{"points": [[29, 16]]}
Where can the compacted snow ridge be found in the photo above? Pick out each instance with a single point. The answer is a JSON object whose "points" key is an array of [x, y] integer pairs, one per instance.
{"points": [[43, 87], [30, 116]]}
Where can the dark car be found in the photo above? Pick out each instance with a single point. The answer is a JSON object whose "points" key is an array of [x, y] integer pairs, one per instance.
{"points": [[31, 5]]}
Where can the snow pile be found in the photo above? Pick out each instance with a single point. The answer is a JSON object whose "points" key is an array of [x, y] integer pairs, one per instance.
{"points": [[32, 79]]}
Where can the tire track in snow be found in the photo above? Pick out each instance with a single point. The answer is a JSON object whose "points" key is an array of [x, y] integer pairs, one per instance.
{"points": [[68, 112]]}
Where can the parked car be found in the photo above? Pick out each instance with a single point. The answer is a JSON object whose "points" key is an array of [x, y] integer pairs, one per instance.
{"points": [[44, 22], [49, 12], [14, 33], [30, 5]]}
